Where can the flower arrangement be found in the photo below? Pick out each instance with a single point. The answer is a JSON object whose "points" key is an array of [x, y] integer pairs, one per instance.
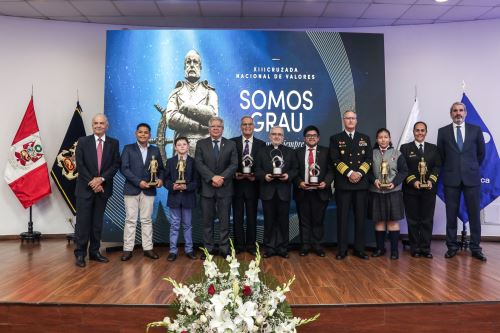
{"points": [[231, 298]]}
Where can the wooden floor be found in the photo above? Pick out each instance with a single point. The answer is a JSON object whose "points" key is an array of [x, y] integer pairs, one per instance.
{"points": [[46, 273]]}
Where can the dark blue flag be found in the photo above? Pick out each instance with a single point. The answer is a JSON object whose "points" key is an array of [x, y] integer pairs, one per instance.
{"points": [[490, 169]]}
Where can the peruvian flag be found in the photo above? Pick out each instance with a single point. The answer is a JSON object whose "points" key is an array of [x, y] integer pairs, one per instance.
{"points": [[26, 171]]}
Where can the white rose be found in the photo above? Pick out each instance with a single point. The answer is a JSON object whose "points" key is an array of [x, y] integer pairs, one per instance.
{"points": [[203, 319], [259, 320]]}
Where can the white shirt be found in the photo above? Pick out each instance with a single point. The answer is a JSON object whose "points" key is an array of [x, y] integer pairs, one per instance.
{"points": [[349, 133], [96, 138], [420, 143], [144, 151], [462, 129]]}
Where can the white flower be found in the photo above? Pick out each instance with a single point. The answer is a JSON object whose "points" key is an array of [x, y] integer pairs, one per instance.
{"points": [[211, 269], [245, 313], [219, 301], [203, 319], [223, 323]]}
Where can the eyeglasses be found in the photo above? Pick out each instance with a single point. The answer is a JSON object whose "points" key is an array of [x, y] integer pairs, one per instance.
{"points": [[311, 136], [247, 124], [215, 126], [350, 118], [277, 134]]}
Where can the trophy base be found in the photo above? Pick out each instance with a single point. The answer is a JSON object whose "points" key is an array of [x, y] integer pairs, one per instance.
{"points": [[277, 173], [312, 185], [153, 183], [246, 170], [385, 186], [249, 174], [424, 185], [180, 181]]}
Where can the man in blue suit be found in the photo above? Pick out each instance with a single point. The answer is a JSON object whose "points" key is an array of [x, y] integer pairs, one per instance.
{"points": [[137, 161], [462, 151]]}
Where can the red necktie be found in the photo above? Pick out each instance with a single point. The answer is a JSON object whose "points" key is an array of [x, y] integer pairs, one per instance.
{"points": [[99, 156], [311, 157]]}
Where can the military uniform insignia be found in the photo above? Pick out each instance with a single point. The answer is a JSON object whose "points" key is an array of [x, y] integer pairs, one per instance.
{"points": [[363, 152], [342, 152], [362, 143]]}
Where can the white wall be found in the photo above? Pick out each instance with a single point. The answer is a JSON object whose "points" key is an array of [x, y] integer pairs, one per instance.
{"points": [[58, 58]]}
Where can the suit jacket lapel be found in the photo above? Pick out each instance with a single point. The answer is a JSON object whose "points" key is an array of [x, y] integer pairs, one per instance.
{"points": [[93, 151]]}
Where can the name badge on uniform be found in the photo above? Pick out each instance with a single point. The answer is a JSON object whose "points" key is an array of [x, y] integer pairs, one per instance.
{"points": [[362, 143]]}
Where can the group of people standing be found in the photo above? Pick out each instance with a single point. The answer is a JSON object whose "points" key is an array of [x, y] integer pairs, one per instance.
{"points": [[378, 181]]}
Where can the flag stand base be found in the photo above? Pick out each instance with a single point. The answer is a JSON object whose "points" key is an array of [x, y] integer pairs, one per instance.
{"points": [[30, 235]]}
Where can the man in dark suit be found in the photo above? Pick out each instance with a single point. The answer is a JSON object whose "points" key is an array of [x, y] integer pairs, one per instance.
{"points": [[312, 198], [275, 192], [98, 160], [139, 161], [351, 154], [462, 150], [420, 198], [246, 188], [216, 161]]}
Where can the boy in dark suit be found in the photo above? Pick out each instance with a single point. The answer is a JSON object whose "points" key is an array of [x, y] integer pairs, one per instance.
{"points": [[137, 161], [312, 200], [181, 181]]}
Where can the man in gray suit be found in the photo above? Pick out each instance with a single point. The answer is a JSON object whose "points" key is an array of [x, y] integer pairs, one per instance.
{"points": [[216, 160], [462, 150]]}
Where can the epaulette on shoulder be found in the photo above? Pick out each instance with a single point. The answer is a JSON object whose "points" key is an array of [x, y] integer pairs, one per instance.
{"points": [[205, 84]]}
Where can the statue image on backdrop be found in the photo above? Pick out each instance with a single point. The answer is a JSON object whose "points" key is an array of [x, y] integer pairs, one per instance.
{"points": [[190, 105]]}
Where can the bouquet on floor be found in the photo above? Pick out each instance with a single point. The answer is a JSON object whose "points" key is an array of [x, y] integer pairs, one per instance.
{"points": [[230, 297]]}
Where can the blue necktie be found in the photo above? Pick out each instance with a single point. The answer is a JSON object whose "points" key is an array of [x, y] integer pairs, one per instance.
{"points": [[216, 148], [460, 139], [246, 151]]}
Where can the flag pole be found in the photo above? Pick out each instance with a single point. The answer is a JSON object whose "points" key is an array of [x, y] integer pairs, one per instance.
{"points": [[31, 235], [464, 242]]}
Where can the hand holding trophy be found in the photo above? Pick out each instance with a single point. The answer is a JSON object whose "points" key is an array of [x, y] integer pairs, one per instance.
{"points": [[247, 162]]}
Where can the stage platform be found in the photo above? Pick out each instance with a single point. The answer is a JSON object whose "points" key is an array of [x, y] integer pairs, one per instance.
{"points": [[41, 290]]}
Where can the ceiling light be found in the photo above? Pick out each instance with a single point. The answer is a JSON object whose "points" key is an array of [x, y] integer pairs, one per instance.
{"points": [[441, 0]]}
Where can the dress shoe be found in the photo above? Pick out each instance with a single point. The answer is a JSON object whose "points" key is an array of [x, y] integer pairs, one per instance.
{"points": [[80, 261], [394, 255], [479, 255], [172, 256], [191, 255], [341, 256], [284, 254], [269, 254], [303, 252], [98, 257], [378, 253], [151, 254], [450, 254], [415, 254], [319, 252], [126, 255], [361, 255], [427, 255]]}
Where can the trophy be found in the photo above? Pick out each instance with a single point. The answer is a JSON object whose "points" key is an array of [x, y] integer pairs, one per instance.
{"points": [[384, 174], [422, 171], [313, 173], [181, 170], [247, 163], [153, 170], [278, 163]]}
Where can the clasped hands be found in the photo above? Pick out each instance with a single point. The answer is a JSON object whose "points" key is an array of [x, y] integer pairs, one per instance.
{"points": [[217, 181]]}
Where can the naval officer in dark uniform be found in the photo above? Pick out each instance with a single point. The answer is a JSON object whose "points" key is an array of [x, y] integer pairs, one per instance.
{"points": [[351, 154], [419, 200]]}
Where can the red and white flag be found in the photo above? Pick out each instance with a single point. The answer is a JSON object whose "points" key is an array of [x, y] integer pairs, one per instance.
{"points": [[26, 172]]}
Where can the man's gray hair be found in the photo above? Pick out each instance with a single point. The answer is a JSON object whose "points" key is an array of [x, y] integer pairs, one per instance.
{"points": [[215, 118]]}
